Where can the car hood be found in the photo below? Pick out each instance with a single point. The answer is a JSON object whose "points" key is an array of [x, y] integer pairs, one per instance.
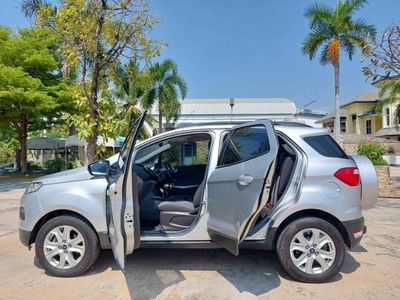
{"points": [[78, 174]]}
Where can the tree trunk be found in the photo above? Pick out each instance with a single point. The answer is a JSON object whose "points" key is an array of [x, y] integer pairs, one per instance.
{"points": [[94, 115], [337, 105], [18, 158], [160, 124], [91, 148], [94, 89], [22, 138]]}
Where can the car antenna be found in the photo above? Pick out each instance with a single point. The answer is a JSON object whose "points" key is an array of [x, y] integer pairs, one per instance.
{"points": [[179, 126]]}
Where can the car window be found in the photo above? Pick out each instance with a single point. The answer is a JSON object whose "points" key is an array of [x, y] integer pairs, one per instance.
{"points": [[179, 151], [245, 143], [326, 146]]}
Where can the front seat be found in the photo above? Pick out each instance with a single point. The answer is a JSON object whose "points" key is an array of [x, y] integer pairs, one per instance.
{"points": [[180, 214]]}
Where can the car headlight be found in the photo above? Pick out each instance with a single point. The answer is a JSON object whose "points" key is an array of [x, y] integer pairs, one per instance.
{"points": [[33, 187]]}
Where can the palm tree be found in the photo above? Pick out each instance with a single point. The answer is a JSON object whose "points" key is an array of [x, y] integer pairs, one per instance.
{"points": [[337, 29], [130, 84], [166, 82], [30, 8]]}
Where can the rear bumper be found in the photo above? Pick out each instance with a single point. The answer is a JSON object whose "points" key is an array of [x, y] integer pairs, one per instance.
{"points": [[355, 231]]}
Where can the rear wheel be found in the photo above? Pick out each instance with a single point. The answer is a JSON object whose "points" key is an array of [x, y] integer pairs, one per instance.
{"points": [[66, 246], [311, 250]]}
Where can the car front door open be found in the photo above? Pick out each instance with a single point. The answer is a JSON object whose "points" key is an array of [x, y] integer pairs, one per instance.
{"points": [[122, 200]]}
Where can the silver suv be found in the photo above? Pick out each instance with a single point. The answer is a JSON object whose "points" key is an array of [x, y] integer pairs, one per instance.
{"points": [[263, 185]]}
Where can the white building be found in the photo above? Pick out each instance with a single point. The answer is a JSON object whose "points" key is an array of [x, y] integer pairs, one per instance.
{"points": [[195, 111]]}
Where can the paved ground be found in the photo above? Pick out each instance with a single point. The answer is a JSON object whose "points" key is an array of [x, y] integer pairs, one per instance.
{"points": [[15, 181], [369, 272]]}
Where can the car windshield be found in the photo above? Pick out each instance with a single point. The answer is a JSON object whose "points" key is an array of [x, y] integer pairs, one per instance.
{"points": [[123, 155]]}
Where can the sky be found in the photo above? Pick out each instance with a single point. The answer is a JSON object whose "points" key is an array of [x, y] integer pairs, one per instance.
{"points": [[249, 48]]}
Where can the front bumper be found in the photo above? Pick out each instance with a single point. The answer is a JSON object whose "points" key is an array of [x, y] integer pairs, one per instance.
{"points": [[355, 231], [25, 237]]}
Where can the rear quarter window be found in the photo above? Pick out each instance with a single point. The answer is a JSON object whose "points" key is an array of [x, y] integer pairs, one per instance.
{"points": [[326, 146]]}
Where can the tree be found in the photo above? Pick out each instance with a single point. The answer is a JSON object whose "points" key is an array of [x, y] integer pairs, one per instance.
{"points": [[111, 121], [336, 29], [94, 35], [131, 82], [384, 67], [165, 83], [32, 94]]}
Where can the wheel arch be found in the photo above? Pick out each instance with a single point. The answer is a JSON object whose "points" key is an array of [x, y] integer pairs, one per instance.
{"points": [[56, 213], [313, 213]]}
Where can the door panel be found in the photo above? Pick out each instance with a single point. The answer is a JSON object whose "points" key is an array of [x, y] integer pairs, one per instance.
{"points": [[239, 187], [122, 200], [114, 203]]}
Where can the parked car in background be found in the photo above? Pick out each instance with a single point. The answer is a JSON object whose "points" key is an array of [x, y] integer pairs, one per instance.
{"points": [[8, 169], [264, 185], [31, 168]]}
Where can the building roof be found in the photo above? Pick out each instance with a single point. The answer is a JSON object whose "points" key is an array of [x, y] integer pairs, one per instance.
{"points": [[242, 106], [365, 97], [331, 116]]}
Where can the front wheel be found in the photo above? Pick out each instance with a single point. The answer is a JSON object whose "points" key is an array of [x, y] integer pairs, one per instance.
{"points": [[311, 250], [66, 246]]}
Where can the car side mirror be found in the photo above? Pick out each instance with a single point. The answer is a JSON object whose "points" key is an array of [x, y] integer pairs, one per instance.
{"points": [[99, 168]]}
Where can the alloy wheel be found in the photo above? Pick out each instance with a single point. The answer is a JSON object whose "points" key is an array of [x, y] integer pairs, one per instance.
{"points": [[312, 251], [64, 247]]}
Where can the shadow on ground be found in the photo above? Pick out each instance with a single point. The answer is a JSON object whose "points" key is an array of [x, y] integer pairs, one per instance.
{"points": [[150, 271]]}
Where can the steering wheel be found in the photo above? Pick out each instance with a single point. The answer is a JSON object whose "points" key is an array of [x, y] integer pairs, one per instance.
{"points": [[170, 170], [152, 174]]}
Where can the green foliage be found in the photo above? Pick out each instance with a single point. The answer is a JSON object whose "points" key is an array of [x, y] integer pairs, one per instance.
{"points": [[110, 122], [7, 151], [55, 165], [93, 35], [123, 25], [76, 163], [165, 83], [30, 82], [337, 24], [373, 150], [172, 156], [131, 82], [32, 93]]}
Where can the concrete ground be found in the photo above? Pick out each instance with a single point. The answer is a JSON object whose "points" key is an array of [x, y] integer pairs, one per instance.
{"points": [[371, 271]]}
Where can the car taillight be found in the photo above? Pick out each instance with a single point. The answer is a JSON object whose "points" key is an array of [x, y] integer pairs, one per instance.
{"points": [[350, 176]]}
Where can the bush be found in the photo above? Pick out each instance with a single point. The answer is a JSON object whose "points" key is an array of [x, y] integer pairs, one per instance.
{"points": [[75, 163], [373, 150], [55, 165], [7, 151]]}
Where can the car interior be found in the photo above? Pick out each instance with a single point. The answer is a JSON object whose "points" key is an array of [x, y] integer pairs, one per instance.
{"points": [[285, 163], [173, 173]]}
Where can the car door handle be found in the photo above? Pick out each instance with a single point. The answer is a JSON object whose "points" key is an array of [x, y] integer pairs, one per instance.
{"points": [[244, 179]]}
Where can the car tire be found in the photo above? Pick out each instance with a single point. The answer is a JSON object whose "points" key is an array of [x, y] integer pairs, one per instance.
{"points": [[306, 261], [71, 246]]}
